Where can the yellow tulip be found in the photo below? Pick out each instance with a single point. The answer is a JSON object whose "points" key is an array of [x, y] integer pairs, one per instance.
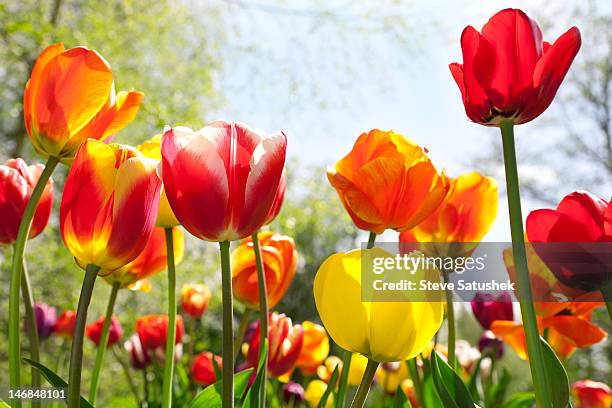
{"points": [[382, 331], [357, 368], [314, 393]]}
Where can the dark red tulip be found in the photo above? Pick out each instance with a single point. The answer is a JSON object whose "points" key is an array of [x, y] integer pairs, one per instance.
{"points": [[488, 308], [94, 331], [582, 223], [508, 72], [139, 357], [489, 343]]}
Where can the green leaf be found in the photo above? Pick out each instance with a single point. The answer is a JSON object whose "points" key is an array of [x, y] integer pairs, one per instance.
{"points": [[472, 384], [252, 397], [330, 387], [218, 373], [210, 397], [4, 404], [496, 394], [54, 379], [452, 390], [521, 400], [558, 383], [430, 395], [400, 400]]}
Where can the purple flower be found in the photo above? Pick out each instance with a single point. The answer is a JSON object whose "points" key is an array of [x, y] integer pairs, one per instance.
{"points": [[489, 344], [487, 308], [293, 390], [46, 316]]}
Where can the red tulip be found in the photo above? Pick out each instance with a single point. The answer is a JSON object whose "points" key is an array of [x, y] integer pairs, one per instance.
{"points": [[221, 181], [152, 331], [64, 326], [203, 370], [285, 344], [17, 180], [508, 72], [94, 331], [592, 394], [487, 308], [278, 199], [583, 219], [109, 204]]}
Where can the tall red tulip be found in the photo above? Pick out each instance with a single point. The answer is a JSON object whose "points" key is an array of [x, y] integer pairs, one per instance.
{"points": [[109, 205], [94, 331], [203, 370], [285, 344], [579, 218], [152, 331], [71, 97], [227, 168], [17, 180], [508, 72]]}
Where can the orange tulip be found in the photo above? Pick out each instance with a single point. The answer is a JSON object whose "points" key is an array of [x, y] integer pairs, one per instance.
{"points": [[466, 214], [64, 326], [280, 262], [151, 260], [70, 97], [315, 348], [109, 204], [195, 299], [387, 181]]}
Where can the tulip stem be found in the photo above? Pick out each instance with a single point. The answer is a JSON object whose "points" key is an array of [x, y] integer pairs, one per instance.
{"points": [[227, 352], [366, 382], [416, 380], [171, 332], [606, 291], [102, 344], [16, 272], [532, 336], [76, 354], [244, 323], [371, 240], [263, 311], [31, 327], [450, 319], [128, 376]]}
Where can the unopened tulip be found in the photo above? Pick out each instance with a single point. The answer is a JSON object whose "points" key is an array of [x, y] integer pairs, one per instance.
{"points": [[592, 394], [488, 308], [285, 342], [195, 299], [387, 182], [382, 331], [490, 344], [293, 391], [579, 218], [64, 326], [151, 260], [466, 214], [203, 370], [315, 347], [227, 168], [279, 261], [314, 392], [165, 216], [46, 317], [152, 331], [508, 72], [70, 97], [17, 180], [109, 204], [139, 357], [94, 331]]}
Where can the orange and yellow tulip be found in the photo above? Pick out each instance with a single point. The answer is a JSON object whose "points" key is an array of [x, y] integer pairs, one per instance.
{"points": [[151, 260], [64, 326], [466, 214], [165, 216], [315, 348], [279, 260], [195, 299], [108, 207], [592, 394], [17, 180], [70, 97], [387, 182]]}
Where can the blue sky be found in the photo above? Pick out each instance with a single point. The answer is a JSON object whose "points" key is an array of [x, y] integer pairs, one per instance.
{"points": [[325, 79]]}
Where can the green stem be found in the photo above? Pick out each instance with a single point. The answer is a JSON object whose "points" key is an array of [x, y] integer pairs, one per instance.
{"points": [[450, 317], [128, 376], [227, 352], [371, 240], [416, 379], [244, 323], [366, 382], [171, 332], [31, 327], [145, 385], [76, 354], [16, 272], [344, 374], [263, 311], [606, 291], [102, 344], [532, 336]]}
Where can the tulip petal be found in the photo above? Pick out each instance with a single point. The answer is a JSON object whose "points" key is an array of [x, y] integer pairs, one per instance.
{"points": [[127, 106], [512, 333], [587, 209], [576, 329]]}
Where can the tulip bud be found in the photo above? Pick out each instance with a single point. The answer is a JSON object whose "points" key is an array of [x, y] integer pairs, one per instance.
{"points": [[94, 331], [488, 308], [203, 370], [138, 355], [592, 394], [490, 344], [195, 299], [64, 326], [46, 317], [293, 391], [314, 392]]}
